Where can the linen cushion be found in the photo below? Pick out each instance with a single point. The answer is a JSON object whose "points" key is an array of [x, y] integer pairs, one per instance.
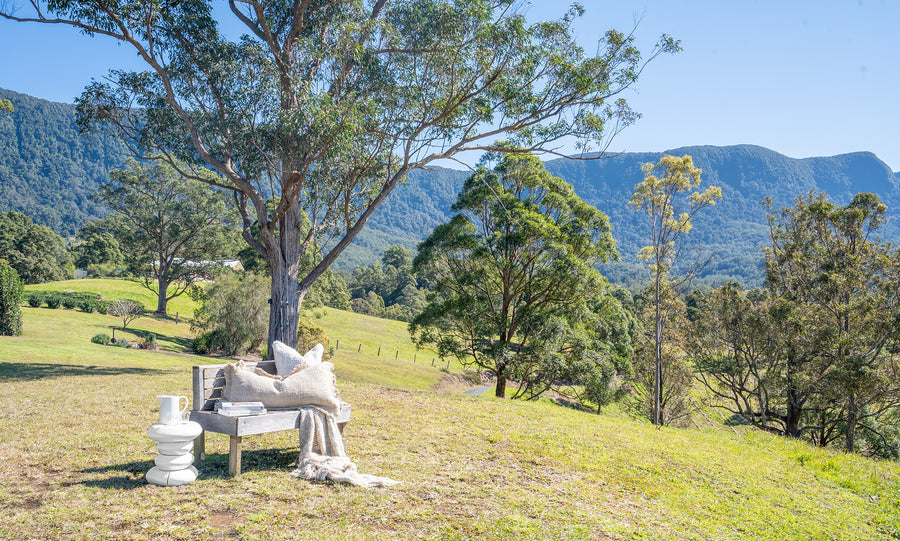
{"points": [[288, 358], [311, 386]]}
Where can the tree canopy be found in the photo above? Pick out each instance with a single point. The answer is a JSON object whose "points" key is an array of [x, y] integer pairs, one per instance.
{"points": [[329, 104], [177, 227], [516, 291], [34, 251]]}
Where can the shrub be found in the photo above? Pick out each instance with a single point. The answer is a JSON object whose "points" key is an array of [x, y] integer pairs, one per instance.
{"points": [[11, 287], [235, 307], [53, 301], [121, 342], [102, 307], [103, 339], [69, 302], [310, 334], [35, 301], [150, 342], [86, 306], [201, 344]]}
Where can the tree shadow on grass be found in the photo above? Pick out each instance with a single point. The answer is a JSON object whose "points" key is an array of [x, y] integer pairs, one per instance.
{"points": [[39, 371]]}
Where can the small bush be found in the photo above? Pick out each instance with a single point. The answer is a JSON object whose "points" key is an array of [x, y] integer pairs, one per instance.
{"points": [[310, 334], [235, 307], [201, 344], [69, 303], [53, 301], [35, 301], [121, 342], [150, 342], [11, 287], [102, 307], [103, 339], [87, 306]]}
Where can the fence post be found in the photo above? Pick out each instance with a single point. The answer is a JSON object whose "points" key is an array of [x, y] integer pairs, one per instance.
{"points": [[337, 344], [359, 348], [396, 355], [432, 362], [414, 357], [379, 351]]}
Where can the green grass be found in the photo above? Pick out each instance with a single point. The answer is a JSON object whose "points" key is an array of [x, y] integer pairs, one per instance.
{"points": [[73, 453], [372, 336], [111, 289]]}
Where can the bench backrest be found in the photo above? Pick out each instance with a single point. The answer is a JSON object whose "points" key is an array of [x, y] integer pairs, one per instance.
{"points": [[209, 381]]}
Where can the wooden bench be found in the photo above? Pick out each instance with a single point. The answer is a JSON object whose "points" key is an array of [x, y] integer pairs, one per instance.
{"points": [[208, 382]]}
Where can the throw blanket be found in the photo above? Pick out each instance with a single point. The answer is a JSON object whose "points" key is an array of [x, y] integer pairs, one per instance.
{"points": [[322, 454]]}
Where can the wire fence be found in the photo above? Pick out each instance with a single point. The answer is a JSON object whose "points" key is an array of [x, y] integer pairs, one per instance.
{"points": [[385, 352]]}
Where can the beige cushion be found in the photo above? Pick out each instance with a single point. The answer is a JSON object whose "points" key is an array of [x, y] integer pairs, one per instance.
{"points": [[312, 386], [288, 358]]}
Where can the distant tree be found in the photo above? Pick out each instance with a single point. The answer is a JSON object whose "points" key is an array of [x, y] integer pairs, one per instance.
{"points": [[125, 309], [6, 106], [331, 104], [515, 277], [659, 195], [840, 287], [37, 253], [390, 287], [176, 225], [11, 287], [98, 249]]}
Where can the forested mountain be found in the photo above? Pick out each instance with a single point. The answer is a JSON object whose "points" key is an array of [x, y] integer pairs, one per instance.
{"points": [[731, 231], [48, 171]]}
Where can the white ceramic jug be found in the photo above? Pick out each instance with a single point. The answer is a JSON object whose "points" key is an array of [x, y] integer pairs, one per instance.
{"points": [[170, 410]]}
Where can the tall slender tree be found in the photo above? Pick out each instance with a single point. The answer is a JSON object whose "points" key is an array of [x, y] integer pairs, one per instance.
{"points": [[661, 195], [328, 104]]}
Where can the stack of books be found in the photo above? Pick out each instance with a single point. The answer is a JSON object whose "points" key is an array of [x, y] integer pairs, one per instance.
{"points": [[239, 409]]}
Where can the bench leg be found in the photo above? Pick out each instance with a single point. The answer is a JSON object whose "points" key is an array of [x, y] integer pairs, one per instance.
{"points": [[200, 449], [234, 456]]}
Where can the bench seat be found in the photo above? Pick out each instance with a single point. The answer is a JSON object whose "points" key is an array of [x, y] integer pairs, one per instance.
{"points": [[208, 383]]}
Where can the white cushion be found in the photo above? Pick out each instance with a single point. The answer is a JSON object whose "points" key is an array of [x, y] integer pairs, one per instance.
{"points": [[287, 359]]}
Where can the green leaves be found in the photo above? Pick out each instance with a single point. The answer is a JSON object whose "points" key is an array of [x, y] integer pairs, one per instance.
{"points": [[515, 283]]}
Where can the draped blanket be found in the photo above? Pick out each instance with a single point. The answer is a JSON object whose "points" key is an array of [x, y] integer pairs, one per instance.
{"points": [[322, 456]]}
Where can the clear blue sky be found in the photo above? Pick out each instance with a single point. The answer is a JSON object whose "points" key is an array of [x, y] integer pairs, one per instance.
{"points": [[802, 77]]}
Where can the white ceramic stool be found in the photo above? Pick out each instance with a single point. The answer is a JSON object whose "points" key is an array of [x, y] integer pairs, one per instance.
{"points": [[174, 464]]}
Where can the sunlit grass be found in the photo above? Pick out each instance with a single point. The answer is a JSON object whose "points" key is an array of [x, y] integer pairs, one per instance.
{"points": [[73, 454]]}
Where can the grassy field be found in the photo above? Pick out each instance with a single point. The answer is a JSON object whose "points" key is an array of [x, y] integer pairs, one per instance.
{"points": [[73, 453]]}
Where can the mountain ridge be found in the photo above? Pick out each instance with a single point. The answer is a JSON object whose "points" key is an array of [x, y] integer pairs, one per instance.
{"points": [[48, 171]]}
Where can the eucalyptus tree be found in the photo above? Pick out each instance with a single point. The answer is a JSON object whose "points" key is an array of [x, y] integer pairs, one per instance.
{"points": [[840, 285], [175, 226], [328, 104], [661, 195], [515, 281]]}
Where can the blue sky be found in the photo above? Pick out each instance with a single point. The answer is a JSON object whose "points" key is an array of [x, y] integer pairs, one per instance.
{"points": [[804, 78]]}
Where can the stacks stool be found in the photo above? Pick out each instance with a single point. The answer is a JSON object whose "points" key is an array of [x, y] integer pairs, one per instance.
{"points": [[174, 463]]}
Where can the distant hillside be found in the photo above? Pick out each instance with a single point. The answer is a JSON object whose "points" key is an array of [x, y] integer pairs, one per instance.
{"points": [[47, 170]]}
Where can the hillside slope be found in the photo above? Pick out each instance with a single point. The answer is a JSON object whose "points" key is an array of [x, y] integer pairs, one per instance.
{"points": [[470, 467], [47, 169]]}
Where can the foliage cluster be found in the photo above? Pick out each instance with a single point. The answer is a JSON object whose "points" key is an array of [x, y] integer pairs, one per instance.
{"points": [[516, 291], [233, 314], [815, 355], [390, 288], [11, 287], [35, 251]]}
